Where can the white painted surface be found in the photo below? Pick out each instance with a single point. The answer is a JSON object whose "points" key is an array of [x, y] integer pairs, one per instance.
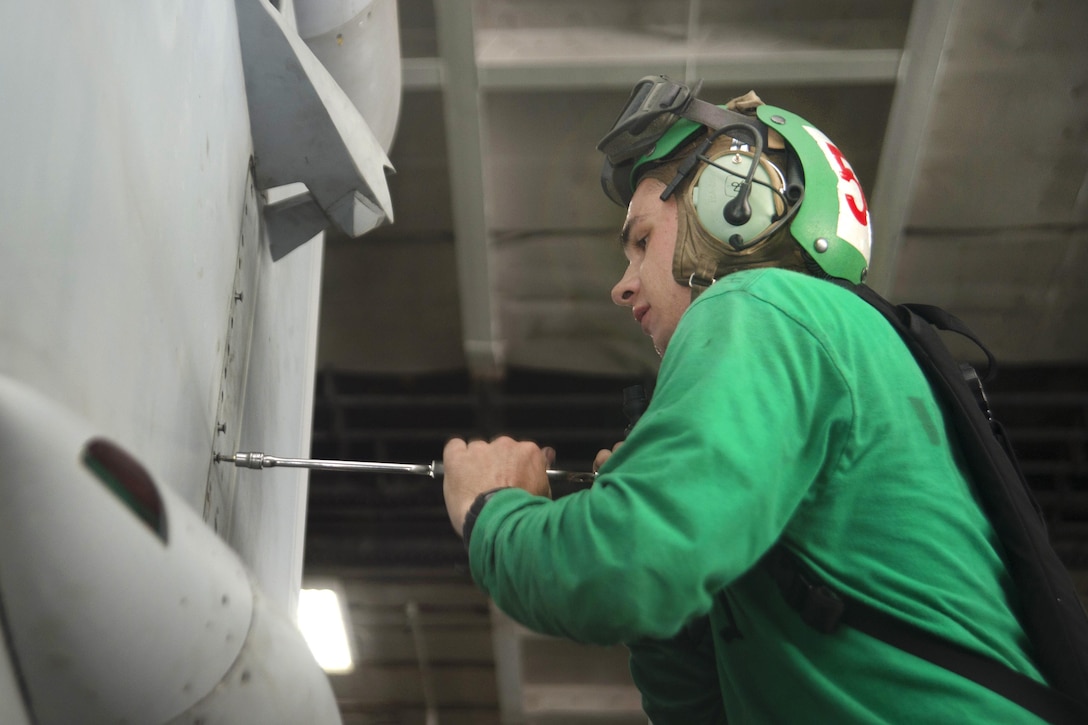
{"points": [[268, 511], [359, 42], [125, 149], [122, 605], [110, 621], [320, 16]]}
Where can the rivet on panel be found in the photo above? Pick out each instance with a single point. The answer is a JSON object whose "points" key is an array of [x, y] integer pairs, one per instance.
{"points": [[821, 245]]}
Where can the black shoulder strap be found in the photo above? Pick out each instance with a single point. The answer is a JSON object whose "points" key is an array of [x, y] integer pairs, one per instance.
{"points": [[1052, 615], [939, 318], [826, 609]]}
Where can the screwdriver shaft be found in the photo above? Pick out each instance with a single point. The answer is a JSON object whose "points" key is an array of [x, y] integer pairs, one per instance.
{"points": [[257, 460]]}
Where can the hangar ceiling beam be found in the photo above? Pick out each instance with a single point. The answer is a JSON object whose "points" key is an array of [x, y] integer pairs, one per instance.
{"points": [[464, 117], [815, 66], [904, 138]]}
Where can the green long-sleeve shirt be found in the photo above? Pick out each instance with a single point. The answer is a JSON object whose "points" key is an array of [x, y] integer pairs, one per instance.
{"points": [[785, 408]]}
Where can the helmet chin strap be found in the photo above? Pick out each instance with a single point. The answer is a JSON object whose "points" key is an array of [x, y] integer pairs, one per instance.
{"points": [[699, 285]]}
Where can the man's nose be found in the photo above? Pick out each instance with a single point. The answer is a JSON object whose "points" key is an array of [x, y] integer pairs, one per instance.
{"points": [[624, 291]]}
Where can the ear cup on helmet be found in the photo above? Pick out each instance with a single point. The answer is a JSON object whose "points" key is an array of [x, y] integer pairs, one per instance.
{"points": [[713, 188]]}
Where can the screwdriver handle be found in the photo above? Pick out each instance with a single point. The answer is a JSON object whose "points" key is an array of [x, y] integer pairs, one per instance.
{"points": [[437, 470]]}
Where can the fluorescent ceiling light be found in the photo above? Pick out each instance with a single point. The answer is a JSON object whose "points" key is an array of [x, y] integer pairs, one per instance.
{"points": [[321, 620]]}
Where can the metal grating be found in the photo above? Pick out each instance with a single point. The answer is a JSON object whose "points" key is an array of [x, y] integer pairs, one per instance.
{"points": [[1045, 412], [375, 520]]}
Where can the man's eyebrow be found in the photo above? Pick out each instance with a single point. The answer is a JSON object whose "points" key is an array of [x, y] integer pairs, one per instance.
{"points": [[625, 233]]}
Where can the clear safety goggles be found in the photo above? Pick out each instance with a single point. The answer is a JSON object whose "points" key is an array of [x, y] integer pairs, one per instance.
{"points": [[655, 105]]}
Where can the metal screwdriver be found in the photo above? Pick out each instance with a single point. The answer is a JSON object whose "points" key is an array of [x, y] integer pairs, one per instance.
{"points": [[434, 469]]}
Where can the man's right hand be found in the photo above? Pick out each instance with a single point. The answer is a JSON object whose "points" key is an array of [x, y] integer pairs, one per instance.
{"points": [[475, 467]]}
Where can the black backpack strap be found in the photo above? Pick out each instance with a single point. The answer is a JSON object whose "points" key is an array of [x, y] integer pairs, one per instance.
{"points": [[826, 609], [944, 320], [908, 315], [1052, 615]]}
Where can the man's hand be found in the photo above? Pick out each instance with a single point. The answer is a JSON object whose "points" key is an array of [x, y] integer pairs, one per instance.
{"points": [[477, 467], [603, 455]]}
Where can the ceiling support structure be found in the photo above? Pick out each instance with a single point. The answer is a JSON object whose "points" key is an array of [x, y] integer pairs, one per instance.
{"points": [[464, 121], [793, 67], [908, 121], [430, 701], [819, 66], [506, 638]]}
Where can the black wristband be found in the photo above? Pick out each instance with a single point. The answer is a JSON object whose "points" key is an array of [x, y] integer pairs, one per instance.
{"points": [[474, 512]]}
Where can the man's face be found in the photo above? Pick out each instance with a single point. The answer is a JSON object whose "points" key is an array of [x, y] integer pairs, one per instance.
{"points": [[647, 287]]}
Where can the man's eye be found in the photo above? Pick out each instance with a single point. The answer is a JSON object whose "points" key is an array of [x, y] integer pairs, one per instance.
{"points": [[642, 242]]}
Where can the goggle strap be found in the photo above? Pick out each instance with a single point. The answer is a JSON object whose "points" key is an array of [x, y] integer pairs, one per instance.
{"points": [[684, 169], [688, 164], [716, 117]]}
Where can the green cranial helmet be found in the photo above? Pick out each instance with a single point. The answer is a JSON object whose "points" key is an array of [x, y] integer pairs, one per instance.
{"points": [[719, 157]]}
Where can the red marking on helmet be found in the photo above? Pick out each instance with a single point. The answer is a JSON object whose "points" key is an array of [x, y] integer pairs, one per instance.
{"points": [[861, 213]]}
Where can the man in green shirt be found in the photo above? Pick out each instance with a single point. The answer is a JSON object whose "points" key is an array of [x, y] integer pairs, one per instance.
{"points": [[787, 411]]}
